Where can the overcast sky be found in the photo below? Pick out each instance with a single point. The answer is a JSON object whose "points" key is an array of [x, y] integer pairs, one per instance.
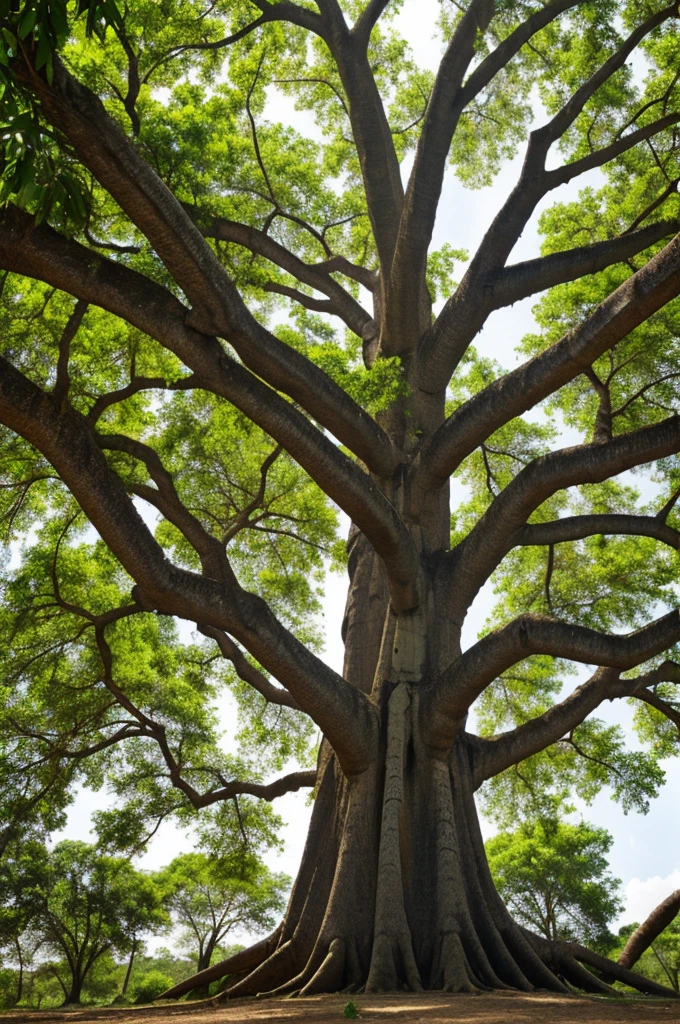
{"points": [[645, 853]]}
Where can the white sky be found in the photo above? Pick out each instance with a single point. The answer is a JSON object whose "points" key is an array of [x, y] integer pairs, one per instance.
{"points": [[646, 849]]}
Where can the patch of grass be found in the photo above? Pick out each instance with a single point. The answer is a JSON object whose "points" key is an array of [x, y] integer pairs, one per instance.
{"points": [[350, 1011]]}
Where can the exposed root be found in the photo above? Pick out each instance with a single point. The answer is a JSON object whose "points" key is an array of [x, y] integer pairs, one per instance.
{"points": [[568, 959], [245, 961]]}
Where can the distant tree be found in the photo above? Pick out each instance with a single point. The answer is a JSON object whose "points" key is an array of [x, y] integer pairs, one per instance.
{"points": [[210, 900], [22, 867], [554, 877], [84, 906]]}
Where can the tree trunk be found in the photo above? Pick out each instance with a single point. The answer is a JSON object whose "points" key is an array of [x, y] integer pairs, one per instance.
{"points": [[129, 969], [394, 890], [75, 992]]}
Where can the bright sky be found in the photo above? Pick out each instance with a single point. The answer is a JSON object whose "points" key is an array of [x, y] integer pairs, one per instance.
{"points": [[645, 855]]}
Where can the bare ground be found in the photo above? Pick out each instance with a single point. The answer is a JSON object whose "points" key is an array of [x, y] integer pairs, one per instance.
{"points": [[425, 1008]]}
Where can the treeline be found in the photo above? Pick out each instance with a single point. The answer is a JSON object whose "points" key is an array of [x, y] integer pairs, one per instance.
{"points": [[75, 922]]}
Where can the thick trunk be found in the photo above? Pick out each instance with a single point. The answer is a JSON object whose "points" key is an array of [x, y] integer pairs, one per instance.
{"points": [[394, 890]]}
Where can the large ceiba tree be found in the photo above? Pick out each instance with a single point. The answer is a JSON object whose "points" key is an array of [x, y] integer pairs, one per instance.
{"points": [[218, 332]]}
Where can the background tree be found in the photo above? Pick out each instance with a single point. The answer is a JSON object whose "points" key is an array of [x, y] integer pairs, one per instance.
{"points": [[554, 877], [220, 332], [22, 869], [210, 899], [85, 906]]}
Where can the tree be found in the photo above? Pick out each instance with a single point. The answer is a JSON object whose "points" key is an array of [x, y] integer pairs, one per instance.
{"points": [[22, 869], [88, 905], [238, 330], [210, 900], [553, 877]]}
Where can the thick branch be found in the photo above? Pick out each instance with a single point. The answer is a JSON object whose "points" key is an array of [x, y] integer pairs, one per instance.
{"points": [[372, 137], [645, 292], [425, 183], [466, 311], [218, 307], [342, 303], [523, 279], [341, 711], [577, 527], [449, 699], [496, 753]]}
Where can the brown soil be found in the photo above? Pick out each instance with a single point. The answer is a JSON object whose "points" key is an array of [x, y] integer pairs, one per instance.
{"points": [[425, 1008]]}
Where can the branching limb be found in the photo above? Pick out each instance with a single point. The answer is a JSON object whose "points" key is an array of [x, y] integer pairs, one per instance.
{"points": [[63, 380], [42, 253], [647, 291], [136, 385], [523, 279], [497, 753], [157, 731], [499, 528], [449, 699], [164, 497], [343, 713], [317, 277], [218, 307], [425, 183], [466, 311], [246, 671]]}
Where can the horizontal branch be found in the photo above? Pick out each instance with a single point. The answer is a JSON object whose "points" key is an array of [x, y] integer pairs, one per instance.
{"points": [[578, 527], [42, 253], [218, 308], [645, 292], [599, 157], [448, 700], [471, 563], [340, 710], [521, 280], [262, 790], [497, 753]]}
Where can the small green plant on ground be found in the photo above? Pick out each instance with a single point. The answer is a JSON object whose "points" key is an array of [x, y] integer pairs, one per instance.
{"points": [[350, 1011]]}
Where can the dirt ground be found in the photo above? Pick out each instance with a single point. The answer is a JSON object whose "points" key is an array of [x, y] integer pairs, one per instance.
{"points": [[426, 1008]]}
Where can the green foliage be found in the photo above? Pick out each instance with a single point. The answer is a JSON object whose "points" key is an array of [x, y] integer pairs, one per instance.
{"points": [[78, 907], [150, 986], [554, 878], [210, 897], [350, 1011]]}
